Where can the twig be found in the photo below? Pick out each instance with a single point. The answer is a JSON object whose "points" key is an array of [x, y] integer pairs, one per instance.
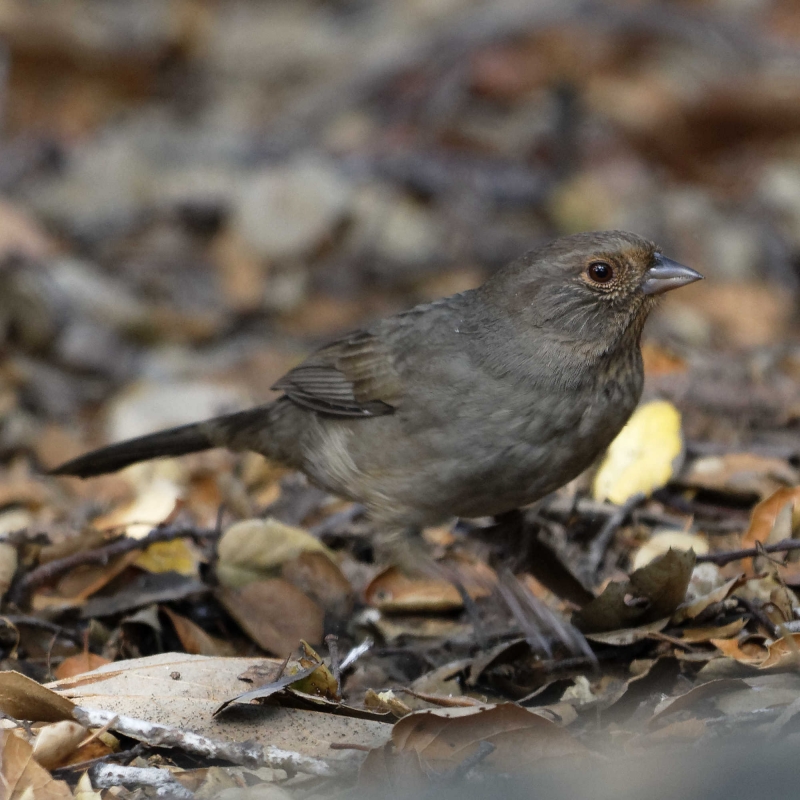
{"points": [[107, 776], [760, 616], [563, 509], [333, 649], [249, 753], [80, 766], [602, 541], [721, 559], [101, 555]]}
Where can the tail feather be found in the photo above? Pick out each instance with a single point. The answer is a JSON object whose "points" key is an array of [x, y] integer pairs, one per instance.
{"points": [[218, 432], [173, 442]]}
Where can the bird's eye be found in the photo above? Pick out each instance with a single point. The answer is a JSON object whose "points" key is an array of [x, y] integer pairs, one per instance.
{"points": [[600, 271]]}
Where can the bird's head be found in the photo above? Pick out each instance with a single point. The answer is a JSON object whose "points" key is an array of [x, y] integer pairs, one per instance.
{"points": [[590, 288]]}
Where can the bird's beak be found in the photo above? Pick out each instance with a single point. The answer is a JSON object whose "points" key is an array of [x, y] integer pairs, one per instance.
{"points": [[666, 274]]}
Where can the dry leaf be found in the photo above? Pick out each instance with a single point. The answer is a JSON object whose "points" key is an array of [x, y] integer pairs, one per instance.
{"points": [[254, 549], [740, 473], [176, 556], [154, 504], [21, 778], [644, 455], [664, 540], [442, 738], [8, 566], [77, 665], [393, 590], [750, 651], [652, 592], [321, 579], [194, 639], [184, 691], [23, 698], [275, 614], [766, 514], [56, 742], [695, 608]]}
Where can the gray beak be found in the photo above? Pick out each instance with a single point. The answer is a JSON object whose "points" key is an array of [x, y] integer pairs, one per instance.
{"points": [[666, 274]]}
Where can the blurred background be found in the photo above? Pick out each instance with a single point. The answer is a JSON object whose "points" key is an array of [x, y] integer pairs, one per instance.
{"points": [[194, 193]]}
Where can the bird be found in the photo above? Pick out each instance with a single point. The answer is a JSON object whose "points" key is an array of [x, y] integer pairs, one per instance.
{"points": [[469, 406]]}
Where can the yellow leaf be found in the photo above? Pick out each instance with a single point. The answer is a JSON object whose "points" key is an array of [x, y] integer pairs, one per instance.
{"points": [[175, 556], [254, 549], [643, 456]]}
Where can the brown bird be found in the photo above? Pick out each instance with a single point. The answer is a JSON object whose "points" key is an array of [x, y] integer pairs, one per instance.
{"points": [[469, 406]]}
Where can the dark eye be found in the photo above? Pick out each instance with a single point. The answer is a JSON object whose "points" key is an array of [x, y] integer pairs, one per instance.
{"points": [[600, 271]]}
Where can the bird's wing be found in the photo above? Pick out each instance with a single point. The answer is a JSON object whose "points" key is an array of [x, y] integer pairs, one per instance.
{"points": [[353, 377]]}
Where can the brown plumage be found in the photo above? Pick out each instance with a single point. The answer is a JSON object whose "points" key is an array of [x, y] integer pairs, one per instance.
{"points": [[468, 406]]}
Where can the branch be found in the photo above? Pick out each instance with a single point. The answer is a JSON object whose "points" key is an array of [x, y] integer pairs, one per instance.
{"points": [[249, 754], [101, 555], [721, 559]]}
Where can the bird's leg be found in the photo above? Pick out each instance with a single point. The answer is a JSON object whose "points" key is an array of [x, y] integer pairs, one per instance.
{"points": [[408, 552], [533, 616]]}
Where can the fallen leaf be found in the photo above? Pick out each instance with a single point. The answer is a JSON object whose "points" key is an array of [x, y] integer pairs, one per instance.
{"points": [[254, 549], [154, 504], [275, 614], [442, 738], [194, 639], [664, 540], [692, 610], [77, 665], [765, 515], [710, 634], [21, 777], [184, 691], [651, 593], [644, 455], [175, 556], [317, 576], [750, 652], [659, 361], [740, 473], [783, 653], [56, 742], [23, 698], [395, 591]]}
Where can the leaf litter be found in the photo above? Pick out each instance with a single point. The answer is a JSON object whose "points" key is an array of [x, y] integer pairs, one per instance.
{"points": [[215, 609]]}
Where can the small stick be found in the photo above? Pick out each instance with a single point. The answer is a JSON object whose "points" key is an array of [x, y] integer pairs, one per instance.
{"points": [[721, 559], [102, 555], [107, 776], [602, 541], [760, 616], [333, 649], [249, 754]]}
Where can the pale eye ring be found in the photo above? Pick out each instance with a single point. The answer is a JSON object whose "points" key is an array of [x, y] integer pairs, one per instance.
{"points": [[600, 271]]}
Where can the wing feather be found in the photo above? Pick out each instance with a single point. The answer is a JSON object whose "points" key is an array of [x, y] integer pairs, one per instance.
{"points": [[353, 377]]}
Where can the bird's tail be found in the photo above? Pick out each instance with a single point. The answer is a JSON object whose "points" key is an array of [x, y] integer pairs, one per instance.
{"points": [[217, 432]]}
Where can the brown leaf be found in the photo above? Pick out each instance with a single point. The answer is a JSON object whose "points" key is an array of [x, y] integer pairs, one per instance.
{"points": [[652, 592], [275, 614], [194, 639], [184, 691], [694, 609], [766, 513], [77, 665], [22, 777], [751, 651], [317, 576], [740, 473], [393, 590], [443, 738], [784, 652], [23, 698]]}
